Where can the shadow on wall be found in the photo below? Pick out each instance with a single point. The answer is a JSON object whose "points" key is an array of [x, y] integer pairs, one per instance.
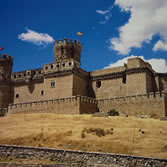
{"points": [[91, 92]]}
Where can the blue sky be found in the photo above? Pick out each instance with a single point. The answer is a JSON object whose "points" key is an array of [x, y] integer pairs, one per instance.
{"points": [[113, 30]]}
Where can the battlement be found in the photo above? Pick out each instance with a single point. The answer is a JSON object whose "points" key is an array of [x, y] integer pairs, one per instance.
{"points": [[66, 50], [67, 105], [135, 98], [4, 57], [47, 69], [6, 63], [144, 104], [66, 42], [29, 74], [61, 66]]}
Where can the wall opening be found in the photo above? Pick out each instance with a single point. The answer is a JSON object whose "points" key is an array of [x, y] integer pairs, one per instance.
{"points": [[17, 96], [52, 84], [98, 84], [124, 79], [42, 92]]}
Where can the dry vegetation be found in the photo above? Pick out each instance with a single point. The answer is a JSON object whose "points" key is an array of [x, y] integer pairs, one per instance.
{"points": [[125, 135]]}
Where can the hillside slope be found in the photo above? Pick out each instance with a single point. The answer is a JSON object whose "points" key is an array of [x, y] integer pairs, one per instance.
{"points": [[125, 135]]}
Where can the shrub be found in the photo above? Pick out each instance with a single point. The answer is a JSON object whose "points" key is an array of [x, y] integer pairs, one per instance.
{"points": [[96, 131], [83, 135], [113, 113], [85, 130], [100, 132], [68, 133]]}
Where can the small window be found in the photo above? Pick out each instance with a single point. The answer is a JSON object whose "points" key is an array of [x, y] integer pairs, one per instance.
{"points": [[42, 92], [63, 64], [19, 75], [62, 49], [39, 72], [98, 84], [17, 96], [52, 84], [24, 74], [124, 79], [46, 67], [57, 65], [51, 66], [14, 76], [69, 63]]}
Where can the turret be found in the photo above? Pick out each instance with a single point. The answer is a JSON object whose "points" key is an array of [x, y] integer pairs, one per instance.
{"points": [[67, 50], [6, 63]]}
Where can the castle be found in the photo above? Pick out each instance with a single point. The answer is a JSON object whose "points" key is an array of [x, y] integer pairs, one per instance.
{"points": [[63, 87]]}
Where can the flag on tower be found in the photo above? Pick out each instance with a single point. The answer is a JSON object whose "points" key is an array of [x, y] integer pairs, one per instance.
{"points": [[79, 34], [1, 48]]}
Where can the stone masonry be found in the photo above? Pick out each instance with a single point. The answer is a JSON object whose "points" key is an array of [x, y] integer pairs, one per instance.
{"points": [[134, 88], [5, 83], [80, 158]]}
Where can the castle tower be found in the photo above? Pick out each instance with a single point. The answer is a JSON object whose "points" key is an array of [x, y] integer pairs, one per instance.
{"points": [[5, 82], [66, 51]]}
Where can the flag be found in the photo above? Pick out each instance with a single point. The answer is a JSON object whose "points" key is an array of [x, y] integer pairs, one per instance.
{"points": [[79, 34], [1, 48]]}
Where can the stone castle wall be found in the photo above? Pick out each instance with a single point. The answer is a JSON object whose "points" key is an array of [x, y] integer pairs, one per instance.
{"points": [[32, 91], [147, 104], [124, 83], [68, 105], [152, 104], [5, 82]]}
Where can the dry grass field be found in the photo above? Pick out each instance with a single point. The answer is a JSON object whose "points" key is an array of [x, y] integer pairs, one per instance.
{"points": [[125, 135]]}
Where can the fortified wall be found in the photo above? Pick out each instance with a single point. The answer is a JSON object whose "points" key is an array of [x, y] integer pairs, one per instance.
{"points": [[64, 87], [68, 105], [5, 82]]}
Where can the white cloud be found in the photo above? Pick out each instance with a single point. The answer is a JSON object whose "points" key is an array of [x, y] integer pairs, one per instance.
{"points": [[160, 45], [106, 14], [36, 38], [147, 18], [102, 12], [159, 65]]}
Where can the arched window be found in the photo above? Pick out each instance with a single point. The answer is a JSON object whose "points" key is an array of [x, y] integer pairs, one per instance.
{"points": [[98, 84]]}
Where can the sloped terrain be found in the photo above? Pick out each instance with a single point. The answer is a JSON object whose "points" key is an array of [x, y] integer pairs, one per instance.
{"points": [[125, 135]]}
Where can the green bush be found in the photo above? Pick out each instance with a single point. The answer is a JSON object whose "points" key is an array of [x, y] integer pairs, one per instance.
{"points": [[113, 113]]}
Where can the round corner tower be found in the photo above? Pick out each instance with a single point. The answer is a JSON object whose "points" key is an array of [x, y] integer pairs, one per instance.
{"points": [[6, 63], [66, 51]]}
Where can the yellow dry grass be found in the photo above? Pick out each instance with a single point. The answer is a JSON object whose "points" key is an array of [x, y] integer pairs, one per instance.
{"points": [[131, 135]]}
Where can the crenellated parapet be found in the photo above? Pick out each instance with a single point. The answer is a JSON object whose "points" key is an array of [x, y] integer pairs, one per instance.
{"points": [[60, 66], [66, 50], [6, 63], [27, 76], [76, 104]]}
